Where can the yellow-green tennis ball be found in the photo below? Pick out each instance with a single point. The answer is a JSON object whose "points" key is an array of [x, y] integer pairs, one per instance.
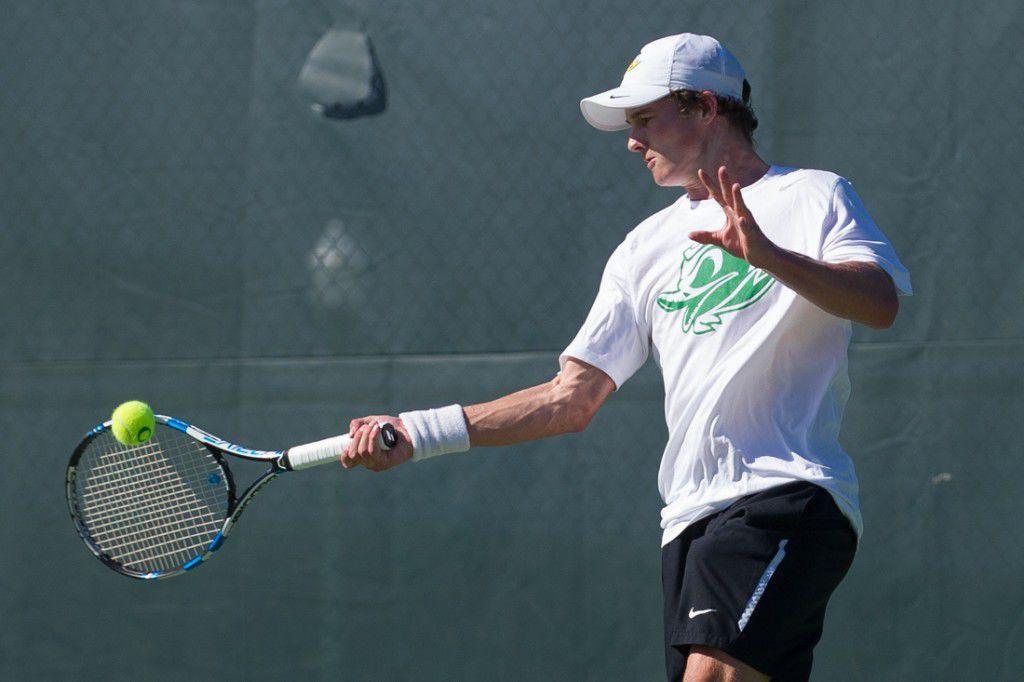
{"points": [[133, 422]]}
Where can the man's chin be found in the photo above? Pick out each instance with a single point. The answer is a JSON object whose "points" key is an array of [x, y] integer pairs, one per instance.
{"points": [[663, 180]]}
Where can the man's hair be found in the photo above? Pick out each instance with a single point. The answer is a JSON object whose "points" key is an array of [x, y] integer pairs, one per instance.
{"points": [[739, 114]]}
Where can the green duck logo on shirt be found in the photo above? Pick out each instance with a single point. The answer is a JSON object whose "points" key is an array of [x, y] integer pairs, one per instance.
{"points": [[713, 283]]}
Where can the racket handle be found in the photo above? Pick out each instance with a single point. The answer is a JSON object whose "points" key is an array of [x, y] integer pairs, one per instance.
{"points": [[329, 449]]}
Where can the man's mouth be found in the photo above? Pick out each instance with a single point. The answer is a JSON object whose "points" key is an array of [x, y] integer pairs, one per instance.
{"points": [[650, 162]]}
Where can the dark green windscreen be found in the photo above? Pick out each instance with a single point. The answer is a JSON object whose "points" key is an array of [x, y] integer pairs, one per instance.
{"points": [[178, 225]]}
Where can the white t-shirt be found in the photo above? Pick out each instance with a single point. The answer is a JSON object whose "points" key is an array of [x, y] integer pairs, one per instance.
{"points": [[755, 375]]}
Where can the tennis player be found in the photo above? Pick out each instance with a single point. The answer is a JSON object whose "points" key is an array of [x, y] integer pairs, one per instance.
{"points": [[743, 290]]}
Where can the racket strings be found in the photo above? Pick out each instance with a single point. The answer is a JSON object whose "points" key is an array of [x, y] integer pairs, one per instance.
{"points": [[151, 507], [116, 494]]}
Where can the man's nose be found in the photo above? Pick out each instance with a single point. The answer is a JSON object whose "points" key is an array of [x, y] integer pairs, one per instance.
{"points": [[633, 144]]}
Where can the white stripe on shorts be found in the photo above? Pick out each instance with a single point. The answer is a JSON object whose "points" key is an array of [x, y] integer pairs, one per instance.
{"points": [[762, 583]]}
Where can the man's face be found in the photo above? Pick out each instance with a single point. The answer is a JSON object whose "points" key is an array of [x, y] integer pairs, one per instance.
{"points": [[670, 144]]}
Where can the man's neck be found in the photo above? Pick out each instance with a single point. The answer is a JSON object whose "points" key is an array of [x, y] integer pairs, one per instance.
{"points": [[744, 167]]}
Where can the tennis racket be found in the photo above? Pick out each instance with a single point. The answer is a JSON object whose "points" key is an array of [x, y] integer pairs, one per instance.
{"points": [[159, 509]]}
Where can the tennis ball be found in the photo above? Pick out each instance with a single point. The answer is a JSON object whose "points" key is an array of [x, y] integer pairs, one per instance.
{"points": [[133, 422]]}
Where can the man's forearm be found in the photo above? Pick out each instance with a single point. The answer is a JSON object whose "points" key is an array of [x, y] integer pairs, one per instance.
{"points": [[856, 291], [530, 414], [566, 404]]}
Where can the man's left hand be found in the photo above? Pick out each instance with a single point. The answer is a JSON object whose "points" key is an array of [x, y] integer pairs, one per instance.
{"points": [[741, 236]]}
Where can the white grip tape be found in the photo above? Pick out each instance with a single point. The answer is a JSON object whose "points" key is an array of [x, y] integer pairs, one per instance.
{"points": [[320, 452]]}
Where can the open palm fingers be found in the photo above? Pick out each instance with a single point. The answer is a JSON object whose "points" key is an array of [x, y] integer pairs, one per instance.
{"points": [[714, 190]]}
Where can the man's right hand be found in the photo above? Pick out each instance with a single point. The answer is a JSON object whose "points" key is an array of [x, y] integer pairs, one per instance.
{"points": [[364, 450]]}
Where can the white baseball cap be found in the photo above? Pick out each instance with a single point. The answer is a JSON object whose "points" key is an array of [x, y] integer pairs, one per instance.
{"points": [[681, 62]]}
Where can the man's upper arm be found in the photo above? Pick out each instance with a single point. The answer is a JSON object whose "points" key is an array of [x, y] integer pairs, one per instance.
{"points": [[586, 386], [853, 236], [881, 279], [883, 289], [614, 336]]}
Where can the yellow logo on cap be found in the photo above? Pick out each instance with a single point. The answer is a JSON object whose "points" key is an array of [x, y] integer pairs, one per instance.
{"points": [[632, 65]]}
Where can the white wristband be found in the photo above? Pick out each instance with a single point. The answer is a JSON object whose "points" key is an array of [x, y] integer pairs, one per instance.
{"points": [[436, 432]]}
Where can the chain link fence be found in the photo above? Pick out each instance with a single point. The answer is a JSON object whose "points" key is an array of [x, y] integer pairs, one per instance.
{"points": [[165, 173], [176, 217]]}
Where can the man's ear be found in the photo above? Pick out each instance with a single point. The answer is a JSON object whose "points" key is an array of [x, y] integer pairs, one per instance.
{"points": [[708, 105]]}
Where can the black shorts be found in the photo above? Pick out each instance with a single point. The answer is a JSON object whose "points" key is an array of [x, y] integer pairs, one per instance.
{"points": [[753, 580]]}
